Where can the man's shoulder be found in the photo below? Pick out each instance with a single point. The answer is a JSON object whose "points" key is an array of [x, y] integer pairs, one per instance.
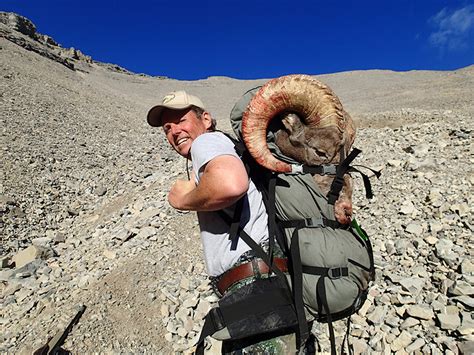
{"points": [[211, 145], [215, 138]]}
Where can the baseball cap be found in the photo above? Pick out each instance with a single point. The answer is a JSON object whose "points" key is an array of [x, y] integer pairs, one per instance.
{"points": [[176, 100]]}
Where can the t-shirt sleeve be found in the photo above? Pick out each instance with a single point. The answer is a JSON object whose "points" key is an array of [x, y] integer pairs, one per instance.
{"points": [[207, 147]]}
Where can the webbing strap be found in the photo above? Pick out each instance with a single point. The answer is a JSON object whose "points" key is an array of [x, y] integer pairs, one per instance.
{"points": [[329, 169], [323, 301], [271, 211], [254, 246], [235, 224], [366, 179], [338, 181], [350, 347], [311, 222], [332, 273], [261, 254], [297, 279]]}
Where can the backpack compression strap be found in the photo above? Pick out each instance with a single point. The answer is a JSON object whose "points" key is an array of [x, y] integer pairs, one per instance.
{"points": [[311, 222], [344, 168], [338, 181]]}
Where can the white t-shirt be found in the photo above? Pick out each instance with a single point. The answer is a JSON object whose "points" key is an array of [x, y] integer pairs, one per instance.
{"points": [[214, 231]]}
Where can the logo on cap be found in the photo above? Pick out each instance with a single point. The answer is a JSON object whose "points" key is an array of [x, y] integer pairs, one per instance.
{"points": [[168, 98]]}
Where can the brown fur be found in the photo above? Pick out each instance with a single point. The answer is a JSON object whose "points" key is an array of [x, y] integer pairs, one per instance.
{"points": [[316, 146]]}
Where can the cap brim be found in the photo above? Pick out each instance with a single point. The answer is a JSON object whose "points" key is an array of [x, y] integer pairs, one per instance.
{"points": [[154, 115]]}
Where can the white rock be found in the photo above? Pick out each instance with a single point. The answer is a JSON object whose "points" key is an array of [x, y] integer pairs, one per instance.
{"points": [[416, 345], [431, 240], [449, 321], [413, 284], [28, 255], [461, 288], [420, 312], [414, 228], [401, 342], [164, 310], [109, 254], [407, 208]]}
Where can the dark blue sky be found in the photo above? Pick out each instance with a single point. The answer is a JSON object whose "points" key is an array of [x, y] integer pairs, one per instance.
{"points": [[251, 39]]}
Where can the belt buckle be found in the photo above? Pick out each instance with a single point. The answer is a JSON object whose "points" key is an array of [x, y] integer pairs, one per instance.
{"points": [[336, 273], [256, 268]]}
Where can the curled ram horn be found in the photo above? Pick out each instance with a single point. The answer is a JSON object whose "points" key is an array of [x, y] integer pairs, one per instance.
{"points": [[315, 130], [308, 98]]}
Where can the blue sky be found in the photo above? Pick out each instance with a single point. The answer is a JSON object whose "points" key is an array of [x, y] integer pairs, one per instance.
{"points": [[260, 38]]}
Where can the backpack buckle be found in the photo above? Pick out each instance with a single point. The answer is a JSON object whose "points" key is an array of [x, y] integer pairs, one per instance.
{"points": [[338, 272], [296, 169], [329, 169], [313, 222]]}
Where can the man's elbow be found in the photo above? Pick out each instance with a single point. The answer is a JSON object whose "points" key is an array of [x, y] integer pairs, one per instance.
{"points": [[238, 189]]}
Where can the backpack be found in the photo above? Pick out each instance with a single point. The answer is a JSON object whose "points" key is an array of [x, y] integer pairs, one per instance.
{"points": [[331, 265]]}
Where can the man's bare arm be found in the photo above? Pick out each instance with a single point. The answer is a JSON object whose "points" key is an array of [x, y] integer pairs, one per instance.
{"points": [[222, 183]]}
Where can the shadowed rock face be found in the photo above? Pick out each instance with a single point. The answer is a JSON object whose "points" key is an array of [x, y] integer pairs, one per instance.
{"points": [[313, 145], [18, 23]]}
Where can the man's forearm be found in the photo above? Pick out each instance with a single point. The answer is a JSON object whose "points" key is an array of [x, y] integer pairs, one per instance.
{"points": [[203, 197]]}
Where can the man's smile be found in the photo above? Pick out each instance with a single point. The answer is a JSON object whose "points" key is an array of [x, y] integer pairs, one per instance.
{"points": [[181, 140]]}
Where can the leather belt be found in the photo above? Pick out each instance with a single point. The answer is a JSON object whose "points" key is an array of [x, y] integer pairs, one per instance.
{"points": [[255, 267]]}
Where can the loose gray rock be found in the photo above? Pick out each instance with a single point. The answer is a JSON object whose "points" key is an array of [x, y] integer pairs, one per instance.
{"points": [[449, 321], [416, 345], [461, 288], [420, 312], [401, 342]]}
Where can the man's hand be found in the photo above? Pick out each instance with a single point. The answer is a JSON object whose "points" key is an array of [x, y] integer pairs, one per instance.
{"points": [[178, 192]]}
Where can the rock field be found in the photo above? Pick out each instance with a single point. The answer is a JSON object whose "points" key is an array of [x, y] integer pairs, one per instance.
{"points": [[85, 219]]}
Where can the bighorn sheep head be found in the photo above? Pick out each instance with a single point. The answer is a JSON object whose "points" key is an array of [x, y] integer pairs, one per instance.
{"points": [[315, 129]]}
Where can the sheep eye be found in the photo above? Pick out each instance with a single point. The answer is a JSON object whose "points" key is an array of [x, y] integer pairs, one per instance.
{"points": [[320, 153]]}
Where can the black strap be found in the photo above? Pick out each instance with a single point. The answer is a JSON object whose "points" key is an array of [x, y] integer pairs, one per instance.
{"points": [[297, 281], [323, 301], [329, 169], [311, 222], [269, 201], [332, 273], [235, 223], [366, 179], [257, 249], [338, 181], [350, 348]]}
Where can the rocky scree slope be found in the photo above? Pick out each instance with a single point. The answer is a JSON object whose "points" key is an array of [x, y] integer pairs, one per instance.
{"points": [[84, 184]]}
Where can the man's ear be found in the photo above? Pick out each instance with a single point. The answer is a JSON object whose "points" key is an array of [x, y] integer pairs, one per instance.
{"points": [[207, 119]]}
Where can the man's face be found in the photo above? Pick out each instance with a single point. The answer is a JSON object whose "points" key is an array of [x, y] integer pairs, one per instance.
{"points": [[183, 127]]}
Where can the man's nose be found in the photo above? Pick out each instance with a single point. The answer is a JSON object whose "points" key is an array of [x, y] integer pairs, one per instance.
{"points": [[175, 129]]}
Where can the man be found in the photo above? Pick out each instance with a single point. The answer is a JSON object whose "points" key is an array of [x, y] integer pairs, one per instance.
{"points": [[218, 180]]}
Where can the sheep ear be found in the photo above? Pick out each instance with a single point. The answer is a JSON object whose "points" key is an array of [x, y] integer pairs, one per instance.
{"points": [[291, 122]]}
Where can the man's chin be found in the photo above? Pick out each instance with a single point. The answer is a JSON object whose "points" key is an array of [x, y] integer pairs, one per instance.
{"points": [[183, 151]]}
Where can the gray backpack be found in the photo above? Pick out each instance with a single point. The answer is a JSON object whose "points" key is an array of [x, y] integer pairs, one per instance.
{"points": [[330, 267], [332, 264]]}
